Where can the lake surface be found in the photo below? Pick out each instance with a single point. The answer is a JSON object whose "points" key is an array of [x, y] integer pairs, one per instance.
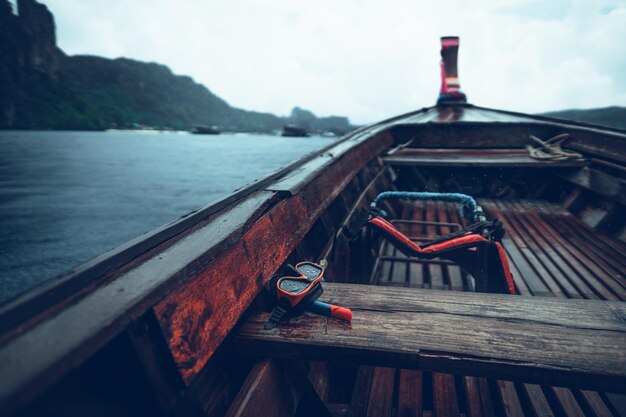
{"points": [[66, 197]]}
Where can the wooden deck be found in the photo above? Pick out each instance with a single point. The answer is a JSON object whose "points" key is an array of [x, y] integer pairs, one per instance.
{"points": [[552, 254], [570, 251]]}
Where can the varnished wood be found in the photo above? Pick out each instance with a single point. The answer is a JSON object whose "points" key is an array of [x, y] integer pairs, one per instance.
{"points": [[541, 340]]}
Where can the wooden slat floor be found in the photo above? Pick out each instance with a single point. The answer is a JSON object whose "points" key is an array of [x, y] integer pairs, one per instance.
{"points": [[552, 254]]}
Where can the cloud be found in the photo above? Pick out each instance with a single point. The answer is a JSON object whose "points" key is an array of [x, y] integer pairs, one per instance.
{"points": [[362, 58]]}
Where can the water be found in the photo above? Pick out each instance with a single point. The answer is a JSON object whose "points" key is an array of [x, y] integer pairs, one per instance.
{"points": [[66, 197]]}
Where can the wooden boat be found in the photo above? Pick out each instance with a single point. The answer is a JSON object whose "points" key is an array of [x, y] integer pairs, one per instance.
{"points": [[171, 323], [294, 131], [205, 130]]}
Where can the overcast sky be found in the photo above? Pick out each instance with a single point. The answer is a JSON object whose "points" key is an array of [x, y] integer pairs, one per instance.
{"points": [[367, 60]]}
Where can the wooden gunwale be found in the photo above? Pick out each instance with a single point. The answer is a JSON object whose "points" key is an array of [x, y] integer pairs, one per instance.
{"points": [[80, 327], [25, 306]]}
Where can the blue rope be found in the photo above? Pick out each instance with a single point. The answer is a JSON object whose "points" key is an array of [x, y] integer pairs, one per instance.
{"points": [[468, 204]]}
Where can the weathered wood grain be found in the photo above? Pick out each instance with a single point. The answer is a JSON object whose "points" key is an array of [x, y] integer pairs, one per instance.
{"points": [[488, 158], [42, 355], [197, 316], [541, 340]]}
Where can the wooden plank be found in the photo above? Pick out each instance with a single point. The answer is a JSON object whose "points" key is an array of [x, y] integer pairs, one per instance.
{"points": [[618, 402], [510, 401], [361, 392], [562, 273], [597, 181], [160, 368], [535, 257], [489, 158], [381, 393], [444, 395], [572, 255], [410, 402], [609, 249], [536, 286], [472, 397], [568, 402], [538, 401], [485, 398], [596, 404], [268, 389], [603, 271], [575, 201], [541, 340]]}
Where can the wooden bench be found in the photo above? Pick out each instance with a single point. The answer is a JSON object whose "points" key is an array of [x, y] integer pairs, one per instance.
{"points": [[575, 343], [490, 158]]}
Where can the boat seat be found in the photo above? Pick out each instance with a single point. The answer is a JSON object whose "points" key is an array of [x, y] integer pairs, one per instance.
{"points": [[532, 339], [485, 158]]}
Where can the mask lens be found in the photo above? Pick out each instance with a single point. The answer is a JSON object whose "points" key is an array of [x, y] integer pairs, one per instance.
{"points": [[310, 270], [293, 286]]}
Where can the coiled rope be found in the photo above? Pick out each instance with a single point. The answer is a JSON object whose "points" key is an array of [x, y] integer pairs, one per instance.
{"points": [[550, 150]]}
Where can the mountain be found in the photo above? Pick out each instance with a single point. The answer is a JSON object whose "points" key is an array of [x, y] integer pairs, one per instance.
{"points": [[607, 116], [43, 88]]}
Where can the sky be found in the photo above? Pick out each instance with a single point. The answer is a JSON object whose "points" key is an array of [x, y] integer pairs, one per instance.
{"points": [[367, 60]]}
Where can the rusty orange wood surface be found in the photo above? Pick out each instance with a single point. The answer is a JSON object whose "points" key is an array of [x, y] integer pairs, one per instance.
{"points": [[197, 317]]}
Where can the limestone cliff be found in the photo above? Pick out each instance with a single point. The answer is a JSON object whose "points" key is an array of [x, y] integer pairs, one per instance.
{"points": [[38, 37], [42, 88]]}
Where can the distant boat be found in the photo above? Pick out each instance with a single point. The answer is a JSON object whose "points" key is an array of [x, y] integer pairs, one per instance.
{"points": [[294, 131], [205, 130]]}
